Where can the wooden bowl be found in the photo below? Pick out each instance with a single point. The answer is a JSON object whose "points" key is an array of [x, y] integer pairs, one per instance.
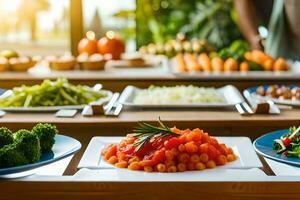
{"points": [[22, 67], [62, 65], [4, 67], [137, 62], [93, 65]]}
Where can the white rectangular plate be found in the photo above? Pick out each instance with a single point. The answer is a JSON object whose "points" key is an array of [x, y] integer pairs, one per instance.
{"points": [[242, 146], [211, 175], [231, 94]]}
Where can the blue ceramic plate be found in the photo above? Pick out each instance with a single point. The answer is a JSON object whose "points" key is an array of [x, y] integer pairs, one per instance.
{"points": [[64, 147], [251, 93], [263, 146]]}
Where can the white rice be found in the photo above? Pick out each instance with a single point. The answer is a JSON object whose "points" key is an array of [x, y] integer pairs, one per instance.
{"points": [[178, 95]]}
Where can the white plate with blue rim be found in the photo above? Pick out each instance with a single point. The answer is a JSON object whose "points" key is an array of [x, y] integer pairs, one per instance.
{"points": [[63, 147]]}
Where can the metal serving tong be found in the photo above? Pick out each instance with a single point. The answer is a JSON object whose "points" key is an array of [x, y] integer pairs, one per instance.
{"points": [[112, 108], [256, 106]]}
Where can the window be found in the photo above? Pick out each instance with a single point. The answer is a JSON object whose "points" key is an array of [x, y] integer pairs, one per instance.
{"points": [[35, 26], [101, 16], [47, 26]]}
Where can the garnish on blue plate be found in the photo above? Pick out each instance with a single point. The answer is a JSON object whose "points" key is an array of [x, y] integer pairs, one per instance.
{"points": [[289, 144]]}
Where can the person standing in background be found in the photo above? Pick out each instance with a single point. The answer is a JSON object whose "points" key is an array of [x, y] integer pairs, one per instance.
{"points": [[282, 19]]}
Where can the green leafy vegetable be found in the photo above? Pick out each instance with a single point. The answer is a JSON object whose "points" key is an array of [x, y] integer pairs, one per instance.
{"points": [[289, 144]]}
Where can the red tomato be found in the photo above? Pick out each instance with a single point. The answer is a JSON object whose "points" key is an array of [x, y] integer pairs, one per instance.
{"points": [[158, 143], [158, 157], [87, 46], [129, 149], [212, 152], [145, 149], [223, 149], [110, 44], [203, 148], [286, 141], [205, 138], [172, 143]]}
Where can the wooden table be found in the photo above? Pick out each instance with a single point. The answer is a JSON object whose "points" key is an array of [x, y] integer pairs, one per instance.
{"points": [[118, 79], [227, 122]]}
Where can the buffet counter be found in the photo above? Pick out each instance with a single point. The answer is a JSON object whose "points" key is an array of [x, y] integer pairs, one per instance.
{"points": [[118, 79], [264, 182]]}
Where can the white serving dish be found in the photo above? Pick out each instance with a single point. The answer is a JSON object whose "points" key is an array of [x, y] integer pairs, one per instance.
{"points": [[50, 108], [124, 175], [248, 94], [231, 94], [242, 146], [292, 73]]}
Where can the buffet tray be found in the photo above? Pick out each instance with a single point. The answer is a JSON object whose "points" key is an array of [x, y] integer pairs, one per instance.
{"points": [[293, 73], [251, 93], [231, 94], [50, 108]]}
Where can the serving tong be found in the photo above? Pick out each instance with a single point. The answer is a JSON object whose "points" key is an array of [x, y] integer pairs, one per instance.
{"points": [[256, 106], [112, 108], [244, 108]]}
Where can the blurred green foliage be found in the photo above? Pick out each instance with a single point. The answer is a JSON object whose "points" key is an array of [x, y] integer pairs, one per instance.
{"points": [[128, 31], [160, 20]]}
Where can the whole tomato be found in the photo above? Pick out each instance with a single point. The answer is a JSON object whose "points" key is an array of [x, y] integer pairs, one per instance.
{"points": [[88, 45], [110, 44]]}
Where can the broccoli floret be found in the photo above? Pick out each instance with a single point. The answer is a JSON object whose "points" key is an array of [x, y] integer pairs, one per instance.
{"points": [[11, 155], [28, 143], [6, 137], [46, 134]]}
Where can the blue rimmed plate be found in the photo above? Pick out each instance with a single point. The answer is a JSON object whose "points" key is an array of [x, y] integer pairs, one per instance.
{"points": [[263, 146], [64, 147], [251, 93]]}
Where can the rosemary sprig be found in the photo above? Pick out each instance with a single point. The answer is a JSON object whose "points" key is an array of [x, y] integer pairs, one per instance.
{"points": [[145, 132]]}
